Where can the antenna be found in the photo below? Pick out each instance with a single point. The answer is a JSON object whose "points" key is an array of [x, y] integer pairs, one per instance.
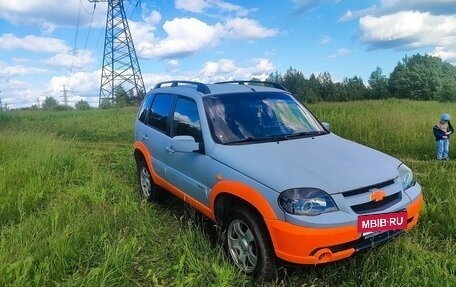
{"points": [[120, 64]]}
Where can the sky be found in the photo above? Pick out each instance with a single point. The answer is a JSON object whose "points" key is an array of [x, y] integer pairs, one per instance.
{"points": [[49, 46]]}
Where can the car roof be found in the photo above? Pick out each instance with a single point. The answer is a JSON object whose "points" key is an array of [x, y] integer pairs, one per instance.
{"points": [[217, 88]]}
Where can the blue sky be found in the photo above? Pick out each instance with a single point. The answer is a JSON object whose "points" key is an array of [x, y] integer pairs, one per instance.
{"points": [[47, 46]]}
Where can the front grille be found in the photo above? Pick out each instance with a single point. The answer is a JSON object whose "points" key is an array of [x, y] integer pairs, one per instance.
{"points": [[373, 206], [367, 188]]}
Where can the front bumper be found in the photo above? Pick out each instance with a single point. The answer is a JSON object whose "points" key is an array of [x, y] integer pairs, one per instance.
{"points": [[302, 245]]}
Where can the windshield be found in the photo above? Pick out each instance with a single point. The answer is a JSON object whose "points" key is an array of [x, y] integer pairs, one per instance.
{"points": [[257, 117]]}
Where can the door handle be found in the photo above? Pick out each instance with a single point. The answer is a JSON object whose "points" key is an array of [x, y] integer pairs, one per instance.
{"points": [[145, 138], [170, 149]]}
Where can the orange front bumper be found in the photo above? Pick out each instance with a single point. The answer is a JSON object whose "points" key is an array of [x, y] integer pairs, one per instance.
{"points": [[301, 245]]}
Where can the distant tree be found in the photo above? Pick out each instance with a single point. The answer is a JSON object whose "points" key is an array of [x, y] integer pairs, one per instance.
{"points": [[82, 105], [447, 91], [121, 96], [327, 87], [378, 85], [105, 104], [49, 103], [61, 108], [419, 77], [274, 77], [354, 89], [294, 81], [312, 89], [138, 98]]}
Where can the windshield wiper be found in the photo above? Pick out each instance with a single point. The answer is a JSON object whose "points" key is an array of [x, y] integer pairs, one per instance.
{"points": [[305, 134], [263, 139]]}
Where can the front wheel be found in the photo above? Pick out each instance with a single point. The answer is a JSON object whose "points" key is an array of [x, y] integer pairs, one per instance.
{"points": [[248, 244]]}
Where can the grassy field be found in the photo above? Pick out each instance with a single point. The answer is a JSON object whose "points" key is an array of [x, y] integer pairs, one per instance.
{"points": [[70, 214]]}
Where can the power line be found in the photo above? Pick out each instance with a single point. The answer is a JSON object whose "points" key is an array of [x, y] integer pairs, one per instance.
{"points": [[80, 1], [88, 34]]}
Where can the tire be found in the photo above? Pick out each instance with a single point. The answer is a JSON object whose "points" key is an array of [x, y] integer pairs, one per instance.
{"points": [[147, 188], [248, 245]]}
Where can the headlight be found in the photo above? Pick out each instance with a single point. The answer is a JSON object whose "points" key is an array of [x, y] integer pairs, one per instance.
{"points": [[406, 176], [306, 201]]}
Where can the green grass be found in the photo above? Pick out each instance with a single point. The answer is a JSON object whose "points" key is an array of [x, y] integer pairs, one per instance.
{"points": [[70, 214]]}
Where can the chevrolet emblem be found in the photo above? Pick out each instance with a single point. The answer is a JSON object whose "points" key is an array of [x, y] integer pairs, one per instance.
{"points": [[377, 195]]}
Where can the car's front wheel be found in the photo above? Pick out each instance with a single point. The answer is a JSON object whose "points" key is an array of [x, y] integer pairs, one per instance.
{"points": [[147, 188], [248, 244]]}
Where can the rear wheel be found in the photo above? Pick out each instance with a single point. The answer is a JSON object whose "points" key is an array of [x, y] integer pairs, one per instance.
{"points": [[248, 244], [147, 188]]}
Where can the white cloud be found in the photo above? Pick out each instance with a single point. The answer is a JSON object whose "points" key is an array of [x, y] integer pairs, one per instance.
{"points": [[226, 69], [201, 6], [301, 6], [408, 30], [231, 8], [409, 25], [173, 66], [7, 71], [446, 54], [324, 39], [339, 53], [78, 60], [32, 43], [17, 93], [49, 14], [185, 36], [153, 18], [79, 86], [196, 6], [244, 28], [222, 67], [388, 7]]}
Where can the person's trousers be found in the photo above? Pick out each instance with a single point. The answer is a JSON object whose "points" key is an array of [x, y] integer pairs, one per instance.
{"points": [[443, 147]]}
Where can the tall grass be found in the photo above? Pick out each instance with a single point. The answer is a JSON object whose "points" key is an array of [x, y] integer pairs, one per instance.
{"points": [[70, 214]]}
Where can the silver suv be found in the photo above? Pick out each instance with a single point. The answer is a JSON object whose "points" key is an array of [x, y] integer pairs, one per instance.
{"points": [[253, 159]]}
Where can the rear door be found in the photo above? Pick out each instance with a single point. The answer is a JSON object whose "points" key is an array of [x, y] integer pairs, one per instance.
{"points": [[155, 131]]}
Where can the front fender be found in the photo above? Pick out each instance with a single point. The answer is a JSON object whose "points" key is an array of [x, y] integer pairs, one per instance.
{"points": [[244, 192]]}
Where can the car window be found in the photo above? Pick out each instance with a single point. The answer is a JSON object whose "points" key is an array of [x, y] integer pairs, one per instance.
{"points": [[159, 112], [186, 119], [143, 110], [241, 118]]}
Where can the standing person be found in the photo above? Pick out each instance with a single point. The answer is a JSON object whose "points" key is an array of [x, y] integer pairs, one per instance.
{"points": [[442, 131]]}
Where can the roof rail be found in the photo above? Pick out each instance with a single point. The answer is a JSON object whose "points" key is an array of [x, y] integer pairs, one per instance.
{"points": [[258, 83], [200, 87]]}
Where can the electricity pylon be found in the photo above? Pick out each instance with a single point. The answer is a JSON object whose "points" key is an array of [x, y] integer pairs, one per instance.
{"points": [[120, 63]]}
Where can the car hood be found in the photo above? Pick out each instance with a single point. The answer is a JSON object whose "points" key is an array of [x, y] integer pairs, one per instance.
{"points": [[328, 162]]}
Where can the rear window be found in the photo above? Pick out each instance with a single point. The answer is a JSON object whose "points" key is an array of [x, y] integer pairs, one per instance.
{"points": [[142, 114], [159, 111]]}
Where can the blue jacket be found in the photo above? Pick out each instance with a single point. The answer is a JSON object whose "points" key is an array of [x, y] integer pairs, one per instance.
{"points": [[439, 134]]}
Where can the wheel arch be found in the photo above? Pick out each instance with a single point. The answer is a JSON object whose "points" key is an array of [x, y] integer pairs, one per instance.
{"points": [[227, 194], [141, 152]]}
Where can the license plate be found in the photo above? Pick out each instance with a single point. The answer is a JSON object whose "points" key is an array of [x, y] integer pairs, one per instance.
{"points": [[382, 222]]}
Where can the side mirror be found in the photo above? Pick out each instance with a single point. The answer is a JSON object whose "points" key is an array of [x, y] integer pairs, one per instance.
{"points": [[327, 126], [184, 144]]}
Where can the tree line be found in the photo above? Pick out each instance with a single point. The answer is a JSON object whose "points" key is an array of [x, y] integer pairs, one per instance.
{"points": [[419, 77], [121, 98]]}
